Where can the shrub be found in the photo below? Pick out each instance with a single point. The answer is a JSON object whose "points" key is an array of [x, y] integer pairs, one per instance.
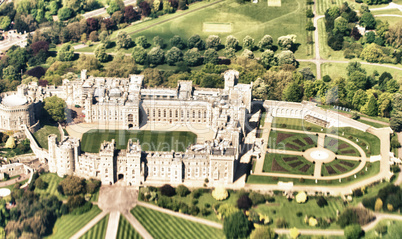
{"points": [[182, 191], [220, 193], [321, 201], [263, 232], [301, 197], [357, 192], [194, 201], [236, 225], [378, 204], [75, 202], [281, 223], [167, 190], [205, 212], [299, 214], [207, 205], [244, 202], [353, 231], [194, 210], [197, 193], [83, 209], [256, 198], [381, 228], [39, 183]]}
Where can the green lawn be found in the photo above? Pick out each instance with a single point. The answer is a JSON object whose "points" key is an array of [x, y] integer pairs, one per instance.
{"points": [[53, 180], [391, 20], [288, 209], [98, 231], [161, 225], [393, 11], [149, 140], [255, 20], [126, 231], [325, 51], [368, 142], [340, 147], [374, 124], [291, 141], [338, 167], [67, 225], [311, 65], [41, 135], [297, 124], [372, 169], [394, 230], [285, 163], [339, 69], [323, 5]]}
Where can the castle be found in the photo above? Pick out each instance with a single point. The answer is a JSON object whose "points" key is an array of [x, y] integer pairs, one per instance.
{"points": [[126, 104]]}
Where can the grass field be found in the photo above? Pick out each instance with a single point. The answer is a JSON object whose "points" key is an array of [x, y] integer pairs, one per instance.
{"points": [[393, 11], [368, 142], [285, 163], [323, 5], [161, 225], [291, 141], [340, 147], [126, 231], [339, 70], [288, 209], [374, 124], [42, 134], [67, 225], [394, 230], [53, 180], [372, 169], [255, 20], [325, 51], [98, 231], [149, 140], [296, 124], [338, 167], [391, 20]]}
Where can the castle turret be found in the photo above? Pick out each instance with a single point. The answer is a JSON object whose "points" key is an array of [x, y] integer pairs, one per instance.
{"points": [[107, 162], [52, 147]]}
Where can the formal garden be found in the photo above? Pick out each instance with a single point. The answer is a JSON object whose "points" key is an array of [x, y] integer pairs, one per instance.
{"points": [[338, 167], [287, 164], [291, 141], [340, 147]]}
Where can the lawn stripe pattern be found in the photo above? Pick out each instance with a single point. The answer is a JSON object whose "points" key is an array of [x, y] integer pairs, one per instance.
{"points": [[98, 231], [125, 230], [53, 180], [161, 225]]}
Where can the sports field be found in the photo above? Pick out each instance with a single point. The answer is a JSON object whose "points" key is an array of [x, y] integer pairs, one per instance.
{"points": [[67, 225], [149, 140], [161, 225], [53, 180], [98, 231], [126, 231]]}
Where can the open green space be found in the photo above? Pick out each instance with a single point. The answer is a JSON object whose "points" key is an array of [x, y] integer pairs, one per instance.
{"points": [[296, 124], [161, 225], [126, 231], [311, 65], [283, 208], [285, 163], [393, 11], [374, 124], [41, 135], [372, 169], [323, 5], [291, 141], [368, 142], [53, 180], [98, 231], [149, 140], [255, 20], [325, 51], [338, 167], [339, 69], [67, 225], [391, 20], [340, 147], [394, 230]]}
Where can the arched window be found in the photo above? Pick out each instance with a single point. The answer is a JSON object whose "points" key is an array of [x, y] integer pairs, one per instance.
{"points": [[130, 118]]}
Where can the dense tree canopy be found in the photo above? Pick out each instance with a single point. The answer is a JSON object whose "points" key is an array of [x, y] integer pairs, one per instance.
{"points": [[55, 107]]}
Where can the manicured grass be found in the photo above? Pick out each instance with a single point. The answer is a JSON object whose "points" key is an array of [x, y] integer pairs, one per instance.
{"points": [[325, 51], [287, 210], [368, 142], [393, 11], [149, 140], [126, 231], [255, 20], [372, 170], [285, 163], [67, 225], [374, 124], [339, 69], [323, 5], [394, 230], [338, 167], [98, 231], [391, 20], [311, 65], [340, 147], [297, 124], [41, 135], [291, 141], [161, 225], [53, 180]]}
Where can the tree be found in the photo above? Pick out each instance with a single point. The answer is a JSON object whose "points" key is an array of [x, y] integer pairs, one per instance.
{"points": [[321, 201], [244, 202], [371, 107], [139, 54], [301, 197], [358, 79], [10, 144], [248, 43], [92, 186], [66, 53], [355, 66], [145, 8], [230, 53], [286, 57], [182, 5], [396, 121], [158, 41], [156, 56], [394, 35], [367, 20], [72, 185], [286, 42], [174, 55], [213, 41], [265, 43], [121, 66], [192, 57], [100, 53], [141, 41], [64, 13], [182, 191], [167, 190], [248, 54], [40, 184], [292, 93], [372, 53], [263, 232], [55, 106], [114, 6], [236, 226], [341, 26], [378, 204], [310, 26], [211, 56], [268, 59], [177, 42], [294, 233], [353, 231], [309, 13], [231, 43], [130, 14], [123, 40], [39, 46], [359, 99], [5, 22], [195, 41], [93, 36], [220, 193]]}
